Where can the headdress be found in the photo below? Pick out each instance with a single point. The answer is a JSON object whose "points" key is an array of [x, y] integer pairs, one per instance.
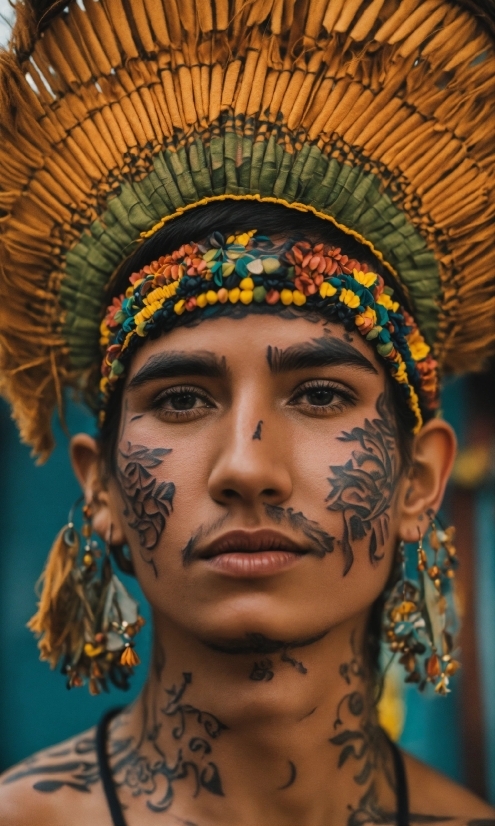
{"points": [[116, 117]]}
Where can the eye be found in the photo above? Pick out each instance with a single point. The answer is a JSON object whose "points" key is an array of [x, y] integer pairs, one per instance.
{"points": [[322, 397], [183, 403]]}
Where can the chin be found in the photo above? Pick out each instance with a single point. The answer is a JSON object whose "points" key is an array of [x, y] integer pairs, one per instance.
{"points": [[261, 616]]}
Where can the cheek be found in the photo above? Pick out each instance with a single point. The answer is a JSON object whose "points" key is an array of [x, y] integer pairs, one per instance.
{"points": [[160, 490], [362, 477]]}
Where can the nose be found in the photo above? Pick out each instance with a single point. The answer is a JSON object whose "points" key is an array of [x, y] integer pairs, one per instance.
{"points": [[251, 470]]}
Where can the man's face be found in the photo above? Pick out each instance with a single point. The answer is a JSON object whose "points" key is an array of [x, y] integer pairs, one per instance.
{"points": [[257, 477]]}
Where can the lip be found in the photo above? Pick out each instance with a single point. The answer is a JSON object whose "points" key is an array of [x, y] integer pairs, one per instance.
{"points": [[248, 554], [250, 542]]}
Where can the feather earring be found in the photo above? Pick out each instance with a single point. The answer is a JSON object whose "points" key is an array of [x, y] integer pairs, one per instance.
{"points": [[86, 617]]}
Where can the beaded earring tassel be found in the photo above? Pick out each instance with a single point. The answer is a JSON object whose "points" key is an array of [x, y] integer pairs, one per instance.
{"points": [[86, 618], [420, 619]]}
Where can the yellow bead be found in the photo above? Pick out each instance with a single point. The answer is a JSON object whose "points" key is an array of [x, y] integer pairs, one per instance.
{"points": [[246, 296], [92, 650], [180, 307], [247, 284], [88, 560], [201, 300], [223, 295], [298, 298], [286, 297], [234, 295], [211, 297]]}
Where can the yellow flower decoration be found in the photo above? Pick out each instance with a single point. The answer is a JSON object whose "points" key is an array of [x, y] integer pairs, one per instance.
{"points": [[367, 279], [368, 314], [387, 302], [327, 290], [418, 346], [242, 239], [349, 298]]}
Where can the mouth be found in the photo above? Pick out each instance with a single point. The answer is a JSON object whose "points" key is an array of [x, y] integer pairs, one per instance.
{"points": [[247, 554]]}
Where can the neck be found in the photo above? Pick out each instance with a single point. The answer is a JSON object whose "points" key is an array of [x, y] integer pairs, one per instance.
{"points": [[259, 732]]}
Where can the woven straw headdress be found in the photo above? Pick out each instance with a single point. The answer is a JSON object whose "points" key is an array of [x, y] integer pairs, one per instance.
{"points": [[117, 115]]}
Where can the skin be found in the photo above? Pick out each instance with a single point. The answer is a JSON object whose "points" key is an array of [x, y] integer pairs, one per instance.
{"points": [[257, 686]]}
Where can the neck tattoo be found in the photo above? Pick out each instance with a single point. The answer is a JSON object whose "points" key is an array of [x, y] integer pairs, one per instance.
{"points": [[145, 767], [361, 742]]}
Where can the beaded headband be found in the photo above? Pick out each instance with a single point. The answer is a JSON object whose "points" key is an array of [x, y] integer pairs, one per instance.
{"points": [[248, 269]]}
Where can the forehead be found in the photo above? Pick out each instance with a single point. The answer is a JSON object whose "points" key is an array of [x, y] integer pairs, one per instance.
{"points": [[244, 342]]}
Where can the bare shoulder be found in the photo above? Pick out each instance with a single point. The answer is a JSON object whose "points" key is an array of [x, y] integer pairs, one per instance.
{"points": [[42, 789], [432, 794]]}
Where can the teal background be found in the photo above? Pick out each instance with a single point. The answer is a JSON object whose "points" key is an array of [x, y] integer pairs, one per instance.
{"points": [[36, 709]]}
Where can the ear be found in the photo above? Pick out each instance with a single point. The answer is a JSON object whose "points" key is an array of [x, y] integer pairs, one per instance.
{"points": [[86, 463], [423, 488]]}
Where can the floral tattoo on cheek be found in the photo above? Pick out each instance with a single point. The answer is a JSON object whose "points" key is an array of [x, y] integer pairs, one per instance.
{"points": [[147, 502], [362, 489]]}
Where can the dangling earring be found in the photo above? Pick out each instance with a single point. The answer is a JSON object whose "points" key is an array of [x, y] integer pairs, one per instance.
{"points": [[85, 615], [403, 620], [419, 617]]}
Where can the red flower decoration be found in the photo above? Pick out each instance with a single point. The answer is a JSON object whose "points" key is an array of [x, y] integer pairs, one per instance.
{"points": [[112, 311]]}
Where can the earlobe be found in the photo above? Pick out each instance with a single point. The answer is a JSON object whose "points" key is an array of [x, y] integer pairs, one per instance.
{"points": [[424, 486], [86, 463]]}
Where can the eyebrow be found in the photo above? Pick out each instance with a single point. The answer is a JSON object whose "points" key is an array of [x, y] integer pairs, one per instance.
{"points": [[320, 352], [176, 363]]}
